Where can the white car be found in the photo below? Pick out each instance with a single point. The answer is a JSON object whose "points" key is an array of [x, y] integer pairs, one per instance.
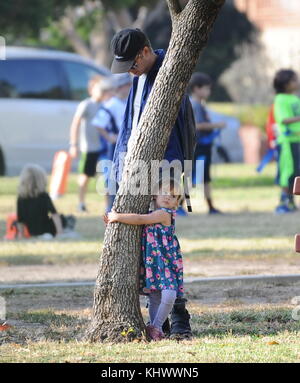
{"points": [[39, 92]]}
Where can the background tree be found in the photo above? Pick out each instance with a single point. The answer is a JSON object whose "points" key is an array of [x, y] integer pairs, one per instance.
{"points": [[231, 31], [86, 27], [27, 17], [116, 309]]}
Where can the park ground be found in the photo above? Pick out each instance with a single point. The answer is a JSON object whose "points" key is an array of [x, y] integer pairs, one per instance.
{"points": [[232, 323]]}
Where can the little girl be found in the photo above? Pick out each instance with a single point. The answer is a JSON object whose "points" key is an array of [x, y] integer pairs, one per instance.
{"points": [[34, 205], [161, 255]]}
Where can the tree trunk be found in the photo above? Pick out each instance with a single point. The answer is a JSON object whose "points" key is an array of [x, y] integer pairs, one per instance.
{"points": [[116, 301]]}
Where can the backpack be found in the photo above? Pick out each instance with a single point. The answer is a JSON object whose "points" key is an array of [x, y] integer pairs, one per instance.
{"points": [[12, 228], [113, 124], [112, 129], [189, 141]]}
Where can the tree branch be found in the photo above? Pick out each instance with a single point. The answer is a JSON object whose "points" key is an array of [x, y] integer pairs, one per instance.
{"points": [[67, 26], [114, 21], [155, 13], [174, 7], [121, 18], [141, 17]]}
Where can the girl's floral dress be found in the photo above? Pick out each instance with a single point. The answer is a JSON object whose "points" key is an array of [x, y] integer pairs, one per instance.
{"points": [[162, 260]]}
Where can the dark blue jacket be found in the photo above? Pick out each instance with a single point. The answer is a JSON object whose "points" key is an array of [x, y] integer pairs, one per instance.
{"points": [[174, 148]]}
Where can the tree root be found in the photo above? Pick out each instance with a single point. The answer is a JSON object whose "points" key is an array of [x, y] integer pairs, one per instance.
{"points": [[113, 332]]}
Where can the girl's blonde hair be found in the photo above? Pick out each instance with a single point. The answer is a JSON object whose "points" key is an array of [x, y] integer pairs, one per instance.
{"points": [[33, 181]]}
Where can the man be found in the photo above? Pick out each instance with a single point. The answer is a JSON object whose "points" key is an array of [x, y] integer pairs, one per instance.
{"points": [[133, 54]]}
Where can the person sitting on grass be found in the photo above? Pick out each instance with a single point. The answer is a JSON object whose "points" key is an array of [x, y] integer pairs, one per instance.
{"points": [[34, 206], [162, 274], [287, 117]]}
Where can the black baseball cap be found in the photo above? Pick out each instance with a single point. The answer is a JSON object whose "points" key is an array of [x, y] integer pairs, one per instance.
{"points": [[125, 45]]}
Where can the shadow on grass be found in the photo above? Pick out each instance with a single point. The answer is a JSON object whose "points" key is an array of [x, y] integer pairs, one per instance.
{"points": [[255, 323], [35, 326], [241, 225], [231, 254], [62, 327], [47, 317]]}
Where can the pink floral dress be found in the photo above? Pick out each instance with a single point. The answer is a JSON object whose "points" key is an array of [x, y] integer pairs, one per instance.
{"points": [[162, 267]]}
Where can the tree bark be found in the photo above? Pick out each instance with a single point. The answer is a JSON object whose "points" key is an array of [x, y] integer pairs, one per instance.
{"points": [[116, 307]]}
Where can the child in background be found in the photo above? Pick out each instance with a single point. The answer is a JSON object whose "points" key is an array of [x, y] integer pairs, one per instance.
{"points": [[34, 205], [110, 117], [162, 257], [200, 89], [100, 90], [287, 117]]}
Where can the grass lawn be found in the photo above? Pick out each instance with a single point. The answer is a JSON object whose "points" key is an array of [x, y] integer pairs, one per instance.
{"points": [[222, 333], [232, 324], [249, 230]]}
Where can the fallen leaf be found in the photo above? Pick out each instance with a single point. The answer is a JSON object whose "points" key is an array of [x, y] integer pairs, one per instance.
{"points": [[4, 327], [273, 342]]}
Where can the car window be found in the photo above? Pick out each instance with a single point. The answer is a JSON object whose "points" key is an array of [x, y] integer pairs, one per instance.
{"points": [[30, 78], [78, 76]]}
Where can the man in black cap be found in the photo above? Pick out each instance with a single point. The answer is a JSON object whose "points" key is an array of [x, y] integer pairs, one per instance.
{"points": [[133, 53]]}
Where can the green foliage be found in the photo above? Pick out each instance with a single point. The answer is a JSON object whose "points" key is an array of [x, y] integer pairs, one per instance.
{"points": [[22, 17], [25, 19], [117, 4], [84, 27]]}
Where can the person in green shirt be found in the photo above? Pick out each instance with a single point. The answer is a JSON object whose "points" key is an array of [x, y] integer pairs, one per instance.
{"points": [[287, 117]]}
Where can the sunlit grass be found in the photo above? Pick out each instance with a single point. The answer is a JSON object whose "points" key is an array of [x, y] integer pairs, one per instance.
{"points": [[260, 334], [249, 229]]}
